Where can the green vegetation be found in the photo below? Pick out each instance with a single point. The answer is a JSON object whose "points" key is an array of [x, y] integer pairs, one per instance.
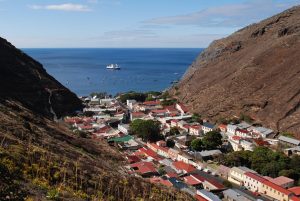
{"points": [[170, 143], [167, 102], [197, 118], [212, 140], [173, 131], [140, 97], [148, 130], [161, 171], [197, 145], [265, 161], [287, 134], [246, 118]]}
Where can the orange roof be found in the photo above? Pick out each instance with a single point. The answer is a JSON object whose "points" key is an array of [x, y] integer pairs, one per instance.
{"points": [[295, 190], [179, 165], [236, 138], [171, 174], [294, 198], [159, 111], [222, 126], [144, 167], [159, 180], [282, 180], [138, 114], [255, 176]]}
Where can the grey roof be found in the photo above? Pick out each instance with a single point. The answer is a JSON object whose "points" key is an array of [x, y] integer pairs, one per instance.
{"points": [[243, 125], [236, 195], [210, 153], [208, 195], [208, 125], [166, 162], [289, 140]]}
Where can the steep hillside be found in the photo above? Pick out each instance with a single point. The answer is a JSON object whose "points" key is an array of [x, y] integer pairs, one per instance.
{"points": [[255, 71], [40, 159], [25, 80]]}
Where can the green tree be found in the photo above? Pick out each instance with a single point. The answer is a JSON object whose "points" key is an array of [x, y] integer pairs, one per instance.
{"points": [[148, 130], [212, 140], [287, 134], [170, 143], [161, 171], [197, 144], [173, 131], [140, 97]]}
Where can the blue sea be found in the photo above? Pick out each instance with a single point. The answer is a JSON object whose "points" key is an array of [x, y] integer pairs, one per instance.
{"points": [[84, 70]]}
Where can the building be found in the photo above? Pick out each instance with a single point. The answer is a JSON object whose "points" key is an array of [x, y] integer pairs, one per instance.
{"points": [[223, 128], [236, 174], [203, 195], [207, 127], [182, 108], [263, 132], [130, 103], [253, 182], [282, 181], [211, 184], [184, 157], [173, 154], [146, 169], [223, 171], [182, 167], [231, 129], [233, 195], [276, 192], [292, 151], [290, 142], [195, 130], [208, 155], [124, 128], [137, 115]]}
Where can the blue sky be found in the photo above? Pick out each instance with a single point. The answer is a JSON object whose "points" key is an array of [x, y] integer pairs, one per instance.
{"points": [[129, 23]]}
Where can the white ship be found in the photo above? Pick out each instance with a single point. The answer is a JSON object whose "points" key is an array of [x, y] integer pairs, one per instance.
{"points": [[113, 67]]}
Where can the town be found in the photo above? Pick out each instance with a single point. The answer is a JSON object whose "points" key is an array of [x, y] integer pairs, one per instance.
{"points": [[165, 144]]}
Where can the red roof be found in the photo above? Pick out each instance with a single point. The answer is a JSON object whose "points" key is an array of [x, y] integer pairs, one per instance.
{"points": [[260, 142], [133, 159], [255, 177], [215, 183], [86, 127], [174, 120], [138, 114], [144, 167], [151, 103], [282, 180], [223, 126], [171, 108], [183, 107], [295, 190], [171, 174], [191, 181], [159, 180], [179, 165], [197, 127], [150, 153], [159, 111], [294, 198], [276, 187], [236, 138], [243, 131], [186, 126]]}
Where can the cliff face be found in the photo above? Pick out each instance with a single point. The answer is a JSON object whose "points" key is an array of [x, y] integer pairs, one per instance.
{"points": [[255, 71], [25, 80]]}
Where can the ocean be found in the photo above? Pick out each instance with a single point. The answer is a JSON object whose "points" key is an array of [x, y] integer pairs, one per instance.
{"points": [[84, 70]]}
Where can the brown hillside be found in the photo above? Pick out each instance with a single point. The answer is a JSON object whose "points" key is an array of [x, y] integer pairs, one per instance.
{"points": [[255, 71]]}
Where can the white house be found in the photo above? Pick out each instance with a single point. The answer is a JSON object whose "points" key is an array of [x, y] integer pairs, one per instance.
{"points": [[130, 103], [195, 130], [231, 129], [207, 127], [236, 174], [124, 128], [253, 181]]}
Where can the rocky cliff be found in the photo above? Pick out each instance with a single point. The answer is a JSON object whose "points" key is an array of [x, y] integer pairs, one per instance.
{"points": [[25, 80], [255, 71]]}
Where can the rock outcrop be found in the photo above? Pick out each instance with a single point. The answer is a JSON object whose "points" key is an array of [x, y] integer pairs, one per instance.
{"points": [[25, 80], [255, 71]]}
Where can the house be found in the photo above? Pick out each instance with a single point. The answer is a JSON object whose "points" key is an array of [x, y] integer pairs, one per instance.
{"points": [[194, 179], [236, 174], [158, 180], [231, 129], [223, 171], [207, 155], [184, 157], [243, 133], [174, 122], [182, 108], [253, 182], [207, 127], [247, 145], [234, 195], [158, 113], [137, 115], [148, 153], [262, 131], [292, 151], [182, 167], [295, 190], [282, 181], [223, 128], [203, 195], [124, 128], [290, 142], [173, 153], [244, 126], [212, 184], [195, 130], [146, 169], [130, 103], [274, 191], [132, 159]]}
